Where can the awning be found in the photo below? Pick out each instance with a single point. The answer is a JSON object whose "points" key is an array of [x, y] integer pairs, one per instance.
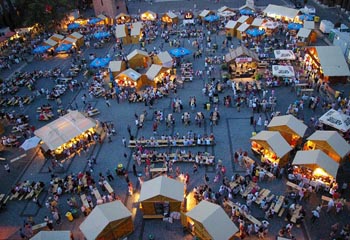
{"points": [[332, 61], [275, 142], [336, 119], [284, 54], [317, 158], [283, 71]]}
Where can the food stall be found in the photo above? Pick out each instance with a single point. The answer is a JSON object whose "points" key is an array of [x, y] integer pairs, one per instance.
{"points": [[138, 59], [245, 19], [330, 142], [315, 167], [57, 37], [116, 67], [242, 62], [156, 74], [272, 147], [334, 119], [292, 129], [136, 32], [170, 18], [161, 196], [65, 132], [303, 37], [148, 16], [52, 235], [270, 27], [284, 54], [108, 221], [122, 34], [130, 78], [122, 18], [241, 30], [209, 221], [329, 62], [164, 59], [188, 18], [257, 22], [205, 13], [79, 38], [282, 13], [51, 43], [231, 28]]}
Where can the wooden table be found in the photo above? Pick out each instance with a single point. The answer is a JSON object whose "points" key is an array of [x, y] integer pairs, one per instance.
{"points": [[248, 189], [295, 214], [108, 187], [252, 219], [96, 193], [155, 171], [293, 185], [279, 204], [84, 201], [262, 194]]}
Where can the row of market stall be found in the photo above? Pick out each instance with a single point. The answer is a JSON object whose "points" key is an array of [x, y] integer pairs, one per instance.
{"points": [[60, 43]]}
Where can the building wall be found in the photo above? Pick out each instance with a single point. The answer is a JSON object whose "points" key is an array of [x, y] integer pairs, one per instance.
{"points": [[109, 8]]}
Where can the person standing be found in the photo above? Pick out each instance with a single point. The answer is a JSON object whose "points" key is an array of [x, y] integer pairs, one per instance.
{"points": [[35, 199], [315, 216], [124, 142], [330, 205], [134, 170], [7, 168], [109, 175], [107, 102]]}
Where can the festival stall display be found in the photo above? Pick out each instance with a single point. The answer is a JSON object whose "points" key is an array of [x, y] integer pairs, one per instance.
{"points": [[209, 221], [270, 27], [122, 34], [241, 30], [284, 54], [188, 18], [116, 67], [231, 28], [330, 142], [57, 37], [245, 19], [285, 14], [242, 62], [138, 59], [161, 196], [65, 132], [156, 74], [226, 12], [136, 32], [336, 120], [170, 18], [272, 147], [205, 13], [79, 38], [283, 71], [258, 22], [148, 16], [330, 63], [108, 221], [130, 78], [105, 19], [316, 167], [52, 235], [51, 43], [164, 59], [291, 128], [122, 18]]}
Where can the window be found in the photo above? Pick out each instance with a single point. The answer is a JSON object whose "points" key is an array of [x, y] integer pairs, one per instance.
{"points": [[102, 2]]}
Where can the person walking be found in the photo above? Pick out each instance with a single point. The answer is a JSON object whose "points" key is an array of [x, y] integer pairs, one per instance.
{"points": [[7, 168], [134, 170], [107, 102], [109, 175], [36, 201], [330, 205], [315, 216], [124, 142]]}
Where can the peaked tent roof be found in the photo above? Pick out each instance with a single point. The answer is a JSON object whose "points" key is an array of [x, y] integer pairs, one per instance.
{"points": [[332, 61], [162, 186], [58, 36], [165, 58], [52, 235], [204, 13], [294, 124], [136, 28], [243, 18], [275, 141], [51, 42], [70, 40], [231, 24], [103, 17], [243, 27], [135, 53], [317, 158], [309, 25], [240, 51], [257, 22], [304, 33], [214, 220], [273, 10], [131, 73], [115, 66], [101, 216], [76, 35], [153, 71], [170, 14], [225, 8], [120, 31], [333, 138]]}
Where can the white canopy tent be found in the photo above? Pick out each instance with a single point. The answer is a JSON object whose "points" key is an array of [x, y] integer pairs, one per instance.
{"points": [[276, 11], [332, 61], [284, 54], [52, 235], [115, 66], [165, 59], [120, 31], [336, 119], [153, 71], [283, 71], [304, 33]]}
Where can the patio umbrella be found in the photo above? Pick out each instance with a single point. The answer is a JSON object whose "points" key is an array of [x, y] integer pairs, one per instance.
{"points": [[294, 26], [100, 62], [246, 11], [306, 17], [212, 18], [100, 35], [255, 32], [180, 52], [94, 20], [73, 26], [30, 143], [64, 47], [41, 49]]}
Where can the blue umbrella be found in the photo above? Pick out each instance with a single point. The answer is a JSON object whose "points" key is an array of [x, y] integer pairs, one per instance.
{"points": [[212, 18], [180, 52], [73, 26], [246, 11], [41, 49], [94, 20], [306, 17], [294, 26], [100, 62], [100, 35], [63, 47], [255, 32]]}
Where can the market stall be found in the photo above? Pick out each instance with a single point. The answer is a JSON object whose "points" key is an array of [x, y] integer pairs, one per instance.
{"points": [[209, 221], [161, 196], [116, 67], [292, 129], [79, 38], [164, 59], [170, 18], [188, 18], [285, 14], [336, 120], [272, 147], [131, 78], [138, 59], [156, 74], [205, 13], [69, 40], [52, 235], [304, 37], [330, 63], [105, 19], [241, 30], [283, 71], [284, 54], [270, 27], [57, 37], [60, 135], [148, 16], [245, 19], [108, 221], [315, 166], [122, 18], [226, 12], [51, 43], [242, 62], [330, 142], [231, 28], [257, 22], [136, 32], [122, 34]]}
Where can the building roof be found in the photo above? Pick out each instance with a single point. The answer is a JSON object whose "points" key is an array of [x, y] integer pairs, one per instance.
{"points": [[52, 235], [257, 22], [304, 33], [332, 61], [171, 14], [70, 40], [101, 16], [243, 19], [204, 13], [153, 71], [317, 158], [162, 186], [101, 216], [165, 58], [225, 8], [214, 219], [240, 51], [231, 24], [333, 139], [136, 29], [243, 27], [294, 124], [51, 42], [76, 35], [115, 66], [58, 36], [120, 31], [275, 141], [135, 53], [309, 25], [275, 10], [131, 73]]}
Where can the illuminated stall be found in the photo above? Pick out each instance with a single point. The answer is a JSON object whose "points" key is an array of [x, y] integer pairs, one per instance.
{"points": [[272, 147], [116, 67], [57, 37], [330, 142], [78, 37], [329, 62], [282, 13], [334, 119], [65, 132], [156, 74], [122, 34], [315, 166], [209, 221], [138, 59], [242, 62], [241, 30], [188, 18], [69, 40], [52, 235], [130, 78], [161, 196], [148, 16], [105, 19], [292, 129], [136, 32], [122, 18], [270, 27], [164, 59], [231, 28], [170, 18], [304, 37]]}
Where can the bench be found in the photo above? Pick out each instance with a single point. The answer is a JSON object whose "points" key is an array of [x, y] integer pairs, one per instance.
{"points": [[84, 201], [108, 187], [158, 216], [280, 213]]}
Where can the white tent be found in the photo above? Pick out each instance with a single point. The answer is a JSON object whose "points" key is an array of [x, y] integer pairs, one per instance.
{"points": [[257, 22], [120, 31], [292, 123], [115, 66], [64, 129], [284, 54], [275, 142], [332, 61], [304, 33], [276, 11], [153, 71], [231, 24], [283, 71], [135, 53], [336, 119], [165, 59], [52, 235], [214, 220], [136, 29], [131, 73], [317, 158]]}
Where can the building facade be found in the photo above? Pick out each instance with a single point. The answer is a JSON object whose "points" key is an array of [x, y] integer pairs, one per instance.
{"points": [[109, 8]]}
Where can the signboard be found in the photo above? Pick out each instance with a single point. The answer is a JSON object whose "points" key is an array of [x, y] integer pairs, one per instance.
{"points": [[243, 59], [282, 71]]}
